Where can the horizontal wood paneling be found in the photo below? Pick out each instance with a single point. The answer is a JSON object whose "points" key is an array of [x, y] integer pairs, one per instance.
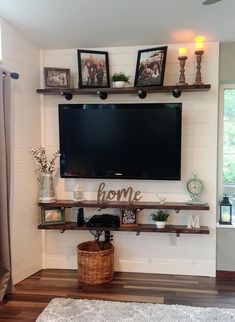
{"points": [[22, 56], [187, 254]]}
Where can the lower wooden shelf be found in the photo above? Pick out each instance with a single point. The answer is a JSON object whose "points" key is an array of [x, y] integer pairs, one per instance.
{"points": [[177, 229]]}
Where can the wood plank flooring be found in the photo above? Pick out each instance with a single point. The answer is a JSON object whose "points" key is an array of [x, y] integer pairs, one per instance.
{"points": [[33, 294]]}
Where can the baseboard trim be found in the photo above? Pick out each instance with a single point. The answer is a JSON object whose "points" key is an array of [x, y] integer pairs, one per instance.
{"points": [[144, 265], [227, 274]]}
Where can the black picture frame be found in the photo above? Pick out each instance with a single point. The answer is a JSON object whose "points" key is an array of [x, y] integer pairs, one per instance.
{"points": [[150, 67], [52, 216], [57, 77], [93, 69]]}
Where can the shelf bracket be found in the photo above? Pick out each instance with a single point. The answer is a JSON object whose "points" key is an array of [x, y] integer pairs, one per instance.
{"points": [[142, 94], [178, 234], [176, 92], [62, 231], [177, 210], [101, 208], [67, 95], [102, 95], [137, 233]]}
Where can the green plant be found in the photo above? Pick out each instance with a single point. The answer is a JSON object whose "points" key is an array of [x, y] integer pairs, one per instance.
{"points": [[120, 77], [161, 215]]}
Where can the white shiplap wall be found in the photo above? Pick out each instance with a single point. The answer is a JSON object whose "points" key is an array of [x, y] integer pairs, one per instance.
{"points": [[21, 56], [149, 252]]}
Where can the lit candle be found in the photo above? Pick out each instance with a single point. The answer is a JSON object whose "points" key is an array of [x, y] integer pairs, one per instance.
{"points": [[182, 51], [199, 45]]}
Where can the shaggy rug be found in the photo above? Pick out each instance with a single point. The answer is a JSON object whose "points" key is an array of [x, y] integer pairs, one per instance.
{"points": [[60, 309]]}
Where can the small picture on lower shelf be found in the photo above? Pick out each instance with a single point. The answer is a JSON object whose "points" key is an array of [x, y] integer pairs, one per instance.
{"points": [[129, 218], [51, 216]]}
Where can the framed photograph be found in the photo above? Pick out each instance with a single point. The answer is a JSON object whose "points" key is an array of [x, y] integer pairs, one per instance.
{"points": [[150, 67], [129, 218], [51, 216], [93, 69], [57, 77]]}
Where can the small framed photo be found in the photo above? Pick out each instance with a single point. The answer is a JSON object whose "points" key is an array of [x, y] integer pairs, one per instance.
{"points": [[129, 218], [93, 69], [57, 77], [150, 67], [51, 216]]}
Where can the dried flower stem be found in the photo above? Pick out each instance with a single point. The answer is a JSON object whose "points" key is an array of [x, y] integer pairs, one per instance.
{"points": [[44, 166]]}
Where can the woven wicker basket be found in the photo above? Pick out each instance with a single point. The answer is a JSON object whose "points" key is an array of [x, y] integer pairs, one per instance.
{"points": [[95, 263]]}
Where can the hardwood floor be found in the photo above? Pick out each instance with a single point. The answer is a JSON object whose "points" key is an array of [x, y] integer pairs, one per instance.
{"points": [[34, 293]]}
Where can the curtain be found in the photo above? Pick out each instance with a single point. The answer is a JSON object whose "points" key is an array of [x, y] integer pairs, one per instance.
{"points": [[5, 162]]}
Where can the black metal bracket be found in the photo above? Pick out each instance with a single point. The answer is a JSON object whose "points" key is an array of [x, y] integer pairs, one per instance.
{"points": [[177, 234], [67, 95], [102, 95], [142, 94], [176, 92]]}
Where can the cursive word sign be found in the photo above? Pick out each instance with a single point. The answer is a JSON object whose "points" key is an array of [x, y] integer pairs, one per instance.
{"points": [[128, 193]]}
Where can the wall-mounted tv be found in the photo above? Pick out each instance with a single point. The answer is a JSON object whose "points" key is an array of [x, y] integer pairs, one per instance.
{"points": [[124, 141]]}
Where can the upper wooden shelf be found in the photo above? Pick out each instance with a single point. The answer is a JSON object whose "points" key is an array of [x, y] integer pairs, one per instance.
{"points": [[141, 91], [125, 205]]}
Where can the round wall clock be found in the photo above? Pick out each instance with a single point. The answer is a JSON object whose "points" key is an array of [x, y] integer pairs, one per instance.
{"points": [[195, 188]]}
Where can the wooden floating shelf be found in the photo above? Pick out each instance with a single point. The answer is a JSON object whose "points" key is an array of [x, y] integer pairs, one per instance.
{"points": [[177, 206], [124, 90], [177, 229], [124, 205]]}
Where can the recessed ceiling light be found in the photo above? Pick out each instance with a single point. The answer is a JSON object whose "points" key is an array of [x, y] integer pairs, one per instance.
{"points": [[208, 2]]}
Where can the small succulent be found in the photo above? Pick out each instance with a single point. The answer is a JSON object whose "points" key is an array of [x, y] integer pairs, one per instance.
{"points": [[120, 77], [161, 215]]}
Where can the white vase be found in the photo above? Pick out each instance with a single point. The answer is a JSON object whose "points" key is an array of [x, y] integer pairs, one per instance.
{"points": [[46, 188], [160, 224], [119, 84]]}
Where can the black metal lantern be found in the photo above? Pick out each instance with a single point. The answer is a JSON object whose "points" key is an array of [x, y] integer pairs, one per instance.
{"points": [[225, 211]]}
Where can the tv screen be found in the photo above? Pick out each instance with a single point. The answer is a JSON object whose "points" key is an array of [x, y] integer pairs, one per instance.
{"points": [[125, 141]]}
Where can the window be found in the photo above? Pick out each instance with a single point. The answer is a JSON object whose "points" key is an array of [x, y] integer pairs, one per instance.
{"points": [[228, 143]]}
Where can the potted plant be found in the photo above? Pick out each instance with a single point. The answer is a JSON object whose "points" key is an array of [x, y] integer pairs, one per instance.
{"points": [[120, 79], [160, 218]]}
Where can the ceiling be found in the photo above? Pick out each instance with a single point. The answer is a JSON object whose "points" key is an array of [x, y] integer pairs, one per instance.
{"points": [[54, 24]]}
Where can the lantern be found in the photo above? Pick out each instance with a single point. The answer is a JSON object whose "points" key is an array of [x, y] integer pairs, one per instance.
{"points": [[225, 211]]}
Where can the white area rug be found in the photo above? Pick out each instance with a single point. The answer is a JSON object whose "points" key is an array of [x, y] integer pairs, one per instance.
{"points": [[72, 310]]}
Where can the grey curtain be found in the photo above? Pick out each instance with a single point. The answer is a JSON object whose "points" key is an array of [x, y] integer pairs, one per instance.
{"points": [[5, 161]]}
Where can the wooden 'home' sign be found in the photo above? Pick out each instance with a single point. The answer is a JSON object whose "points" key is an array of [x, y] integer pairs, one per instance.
{"points": [[127, 193]]}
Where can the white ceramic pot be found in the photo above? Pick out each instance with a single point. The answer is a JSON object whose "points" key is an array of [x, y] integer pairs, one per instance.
{"points": [[160, 224], [119, 84]]}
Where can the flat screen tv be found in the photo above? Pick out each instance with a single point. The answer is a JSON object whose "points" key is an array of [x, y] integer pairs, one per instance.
{"points": [[124, 141]]}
